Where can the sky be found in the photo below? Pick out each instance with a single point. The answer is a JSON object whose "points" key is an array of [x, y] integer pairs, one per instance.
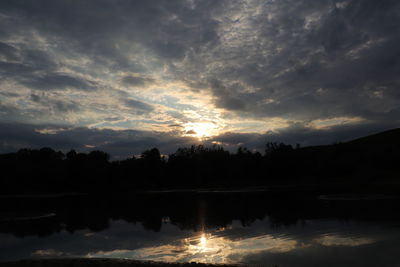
{"points": [[124, 76]]}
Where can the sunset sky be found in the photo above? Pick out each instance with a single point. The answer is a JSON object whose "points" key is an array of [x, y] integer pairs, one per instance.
{"points": [[123, 76]]}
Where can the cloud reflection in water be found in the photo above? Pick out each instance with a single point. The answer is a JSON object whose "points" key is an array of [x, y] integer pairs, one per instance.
{"points": [[207, 248]]}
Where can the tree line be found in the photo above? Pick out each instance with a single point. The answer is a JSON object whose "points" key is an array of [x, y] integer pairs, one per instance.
{"points": [[47, 170]]}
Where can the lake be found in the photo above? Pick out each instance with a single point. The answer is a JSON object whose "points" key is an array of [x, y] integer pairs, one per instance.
{"points": [[286, 229]]}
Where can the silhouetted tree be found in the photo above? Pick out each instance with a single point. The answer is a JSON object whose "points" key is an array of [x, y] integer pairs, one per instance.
{"points": [[71, 154], [153, 155], [99, 156]]}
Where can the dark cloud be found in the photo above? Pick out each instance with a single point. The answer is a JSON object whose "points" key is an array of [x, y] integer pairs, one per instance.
{"points": [[14, 70], [15, 136], [9, 112], [302, 134], [115, 118], [295, 60], [35, 98], [138, 105], [314, 60], [18, 64], [124, 143], [225, 98], [120, 144], [8, 52], [190, 132], [9, 94], [137, 81], [168, 28], [58, 105], [39, 59], [58, 81]]}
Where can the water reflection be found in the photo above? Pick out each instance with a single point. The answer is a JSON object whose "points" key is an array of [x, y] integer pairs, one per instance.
{"points": [[218, 229], [203, 241], [206, 248], [338, 240], [221, 246]]}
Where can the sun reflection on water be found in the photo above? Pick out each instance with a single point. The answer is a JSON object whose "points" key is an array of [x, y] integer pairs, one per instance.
{"points": [[212, 248], [217, 247], [206, 248], [203, 241]]}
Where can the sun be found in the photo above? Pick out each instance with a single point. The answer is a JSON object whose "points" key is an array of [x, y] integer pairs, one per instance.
{"points": [[201, 129]]}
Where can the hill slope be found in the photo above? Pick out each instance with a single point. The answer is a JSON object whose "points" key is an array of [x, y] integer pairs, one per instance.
{"points": [[390, 137]]}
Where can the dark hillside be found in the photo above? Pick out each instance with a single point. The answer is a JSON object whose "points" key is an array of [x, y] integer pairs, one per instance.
{"points": [[390, 138]]}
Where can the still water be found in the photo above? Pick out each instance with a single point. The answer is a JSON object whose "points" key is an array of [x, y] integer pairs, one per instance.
{"points": [[209, 227]]}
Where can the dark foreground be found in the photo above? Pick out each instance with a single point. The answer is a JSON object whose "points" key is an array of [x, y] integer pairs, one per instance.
{"points": [[99, 263]]}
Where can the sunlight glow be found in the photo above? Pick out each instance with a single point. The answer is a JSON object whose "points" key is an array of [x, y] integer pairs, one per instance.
{"points": [[326, 123], [206, 248], [201, 129], [203, 241]]}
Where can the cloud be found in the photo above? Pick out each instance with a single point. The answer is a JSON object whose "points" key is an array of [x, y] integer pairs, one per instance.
{"points": [[164, 27], [312, 60], [56, 104], [296, 61], [124, 143], [225, 98], [58, 81], [48, 253], [21, 62], [192, 132], [138, 105], [337, 240], [120, 143], [8, 52], [137, 81], [302, 134]]}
